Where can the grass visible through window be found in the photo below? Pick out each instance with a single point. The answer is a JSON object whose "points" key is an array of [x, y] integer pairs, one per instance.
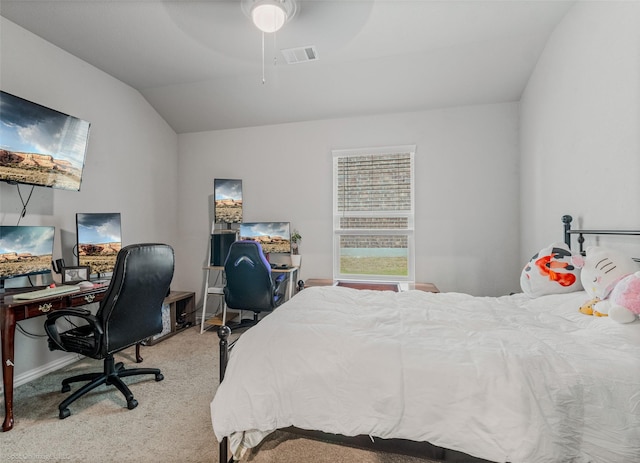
{"points": [[391, 266]]}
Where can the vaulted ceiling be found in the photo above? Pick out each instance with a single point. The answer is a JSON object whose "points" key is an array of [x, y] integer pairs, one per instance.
{"points": [[200, 65]]}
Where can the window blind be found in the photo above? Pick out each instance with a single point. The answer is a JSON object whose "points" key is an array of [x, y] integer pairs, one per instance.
{"points": [[373, 213], [374, 183]]}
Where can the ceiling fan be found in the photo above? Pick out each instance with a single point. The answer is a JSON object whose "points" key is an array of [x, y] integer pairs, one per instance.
{"points": [[269, 15]]}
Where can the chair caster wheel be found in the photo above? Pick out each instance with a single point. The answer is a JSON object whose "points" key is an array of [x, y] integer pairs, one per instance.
{"points": [[159, 377], [131, 404], [65, 388], [64, 413]]}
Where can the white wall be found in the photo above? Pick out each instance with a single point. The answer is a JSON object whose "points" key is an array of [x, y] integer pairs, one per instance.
{"points": [[130, 167], [580, 126], [466, 189]]}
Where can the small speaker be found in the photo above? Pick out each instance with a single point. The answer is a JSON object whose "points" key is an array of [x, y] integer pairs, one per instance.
{"points": [[220, 244]]}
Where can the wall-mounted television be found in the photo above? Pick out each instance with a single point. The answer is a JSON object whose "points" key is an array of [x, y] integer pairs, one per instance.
{"points": [[24, 251], [40, 146], [227, 200], [99, 239], [274, 237]]}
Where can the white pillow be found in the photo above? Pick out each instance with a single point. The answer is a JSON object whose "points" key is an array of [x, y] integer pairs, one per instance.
{"points": [[550, 271]]}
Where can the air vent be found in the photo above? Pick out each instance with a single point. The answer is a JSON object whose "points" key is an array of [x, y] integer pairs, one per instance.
{"points": [[300, 54]]}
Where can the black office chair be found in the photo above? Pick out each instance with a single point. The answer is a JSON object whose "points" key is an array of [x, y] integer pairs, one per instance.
{"points": [[130, 312], [250, 285]]}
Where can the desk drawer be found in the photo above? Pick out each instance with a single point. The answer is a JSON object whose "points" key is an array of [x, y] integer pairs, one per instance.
{"points": [[37, 308], [86, 298]]}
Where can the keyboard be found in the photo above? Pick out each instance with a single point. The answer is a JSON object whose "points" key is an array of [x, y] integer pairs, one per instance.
{"points": [[46, 292], [280, 266]]}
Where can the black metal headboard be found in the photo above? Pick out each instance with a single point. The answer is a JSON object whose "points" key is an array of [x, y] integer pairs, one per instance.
{"points": [[567, 219]]}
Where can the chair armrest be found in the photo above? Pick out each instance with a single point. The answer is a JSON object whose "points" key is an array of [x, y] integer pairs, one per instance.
{"points": [[279, 281], [52, 330], [279, 288], [81, 313]]}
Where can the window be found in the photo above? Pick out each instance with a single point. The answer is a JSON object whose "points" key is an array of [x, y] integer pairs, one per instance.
{"points": [[373, 214]]}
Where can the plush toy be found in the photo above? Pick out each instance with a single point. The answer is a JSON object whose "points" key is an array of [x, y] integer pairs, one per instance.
{"points": [[588, 308], [550, 271], [612, 281], [623, 304]]}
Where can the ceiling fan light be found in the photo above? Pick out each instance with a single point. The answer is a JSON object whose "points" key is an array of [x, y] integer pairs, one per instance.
{"points": [[268, 16]]}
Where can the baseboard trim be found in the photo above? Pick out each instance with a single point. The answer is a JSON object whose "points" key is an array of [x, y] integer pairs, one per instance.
{"points": [[42, 370]]}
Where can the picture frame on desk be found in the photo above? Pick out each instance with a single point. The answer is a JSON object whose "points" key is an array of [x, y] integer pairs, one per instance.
{"points": [[75, 274]]}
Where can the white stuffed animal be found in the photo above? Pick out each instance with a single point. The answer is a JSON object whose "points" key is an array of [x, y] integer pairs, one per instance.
{"points": [[550, 271], [612, 278], [623, 303]]}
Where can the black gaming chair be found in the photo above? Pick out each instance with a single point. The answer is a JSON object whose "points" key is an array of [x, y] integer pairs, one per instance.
{"points": [[130, 312], [250, 285]]}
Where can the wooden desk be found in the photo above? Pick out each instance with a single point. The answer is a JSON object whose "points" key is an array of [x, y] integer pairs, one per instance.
{"points": [[12, 311]]}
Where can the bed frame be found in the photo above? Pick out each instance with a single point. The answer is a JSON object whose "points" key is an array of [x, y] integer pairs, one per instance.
{"points": [[567, 219], [398, 446]]}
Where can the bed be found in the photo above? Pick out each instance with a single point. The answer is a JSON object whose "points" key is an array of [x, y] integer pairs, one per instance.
{"points": [[504, 379]]}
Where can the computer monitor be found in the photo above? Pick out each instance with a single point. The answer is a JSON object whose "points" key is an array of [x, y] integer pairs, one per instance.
{"points": [[41, 146], [227, 200], [274, 237], [24, 251], [99, 241]]}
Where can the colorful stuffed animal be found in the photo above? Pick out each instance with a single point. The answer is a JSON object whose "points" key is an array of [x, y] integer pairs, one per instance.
{"points": [[550, 271], [612, 281], [623, 304]]}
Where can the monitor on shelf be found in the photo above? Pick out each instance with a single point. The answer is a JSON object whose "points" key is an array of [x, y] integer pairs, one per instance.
{"points": [[40, 146], [227, 201], [25, 251], [99, 241], [274, 237]]}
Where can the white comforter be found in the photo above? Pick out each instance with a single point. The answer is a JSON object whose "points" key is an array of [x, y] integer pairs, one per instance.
{"points": [[505, 379]]}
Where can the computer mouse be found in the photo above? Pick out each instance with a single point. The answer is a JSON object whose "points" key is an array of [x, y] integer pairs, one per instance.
{"points": [[85, 284]]}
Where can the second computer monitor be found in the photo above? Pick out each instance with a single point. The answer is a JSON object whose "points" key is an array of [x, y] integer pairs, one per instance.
{"points": [[274, 237], [99, 241], [24, 251]]}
